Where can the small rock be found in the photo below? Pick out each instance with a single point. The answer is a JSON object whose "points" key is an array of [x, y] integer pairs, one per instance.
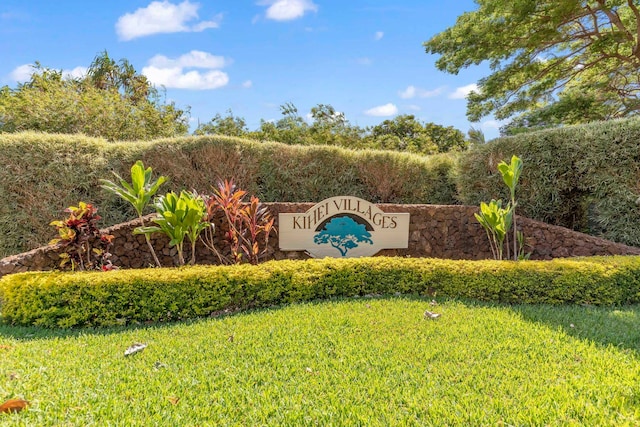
{"points": [[430, 315]]}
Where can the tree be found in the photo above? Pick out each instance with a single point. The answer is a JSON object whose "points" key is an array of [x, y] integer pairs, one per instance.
{"points": [[324, 115], [327, 126], [290, 129], [111, 101], [544, 51], [571, 107], [228, 125], [343, 233], [332, 127], [406, 133], [476, 136]]}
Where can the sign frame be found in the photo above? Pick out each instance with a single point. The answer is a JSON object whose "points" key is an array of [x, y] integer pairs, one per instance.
{"points": [[343, 227]]}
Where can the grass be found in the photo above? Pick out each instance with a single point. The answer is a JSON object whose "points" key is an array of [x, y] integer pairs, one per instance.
{"points": [[367, 361]]}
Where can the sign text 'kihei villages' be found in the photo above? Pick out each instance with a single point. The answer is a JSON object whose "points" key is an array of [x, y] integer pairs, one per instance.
{"points": [[343, 226]]}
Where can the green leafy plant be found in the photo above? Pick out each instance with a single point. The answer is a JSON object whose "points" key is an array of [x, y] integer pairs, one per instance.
{"points": [[246, 225], [179, 216], [85, 246], [511, 175], [65, 299], [496, 221], [138, 193], [522, 255]]}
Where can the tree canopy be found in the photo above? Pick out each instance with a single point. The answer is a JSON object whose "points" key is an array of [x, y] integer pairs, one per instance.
{"points": [[326, 126], [575, 52], [110, 101], [406, 133]]}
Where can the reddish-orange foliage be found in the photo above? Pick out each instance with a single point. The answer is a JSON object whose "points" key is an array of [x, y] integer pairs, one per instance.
{"points": [[13, 405]]}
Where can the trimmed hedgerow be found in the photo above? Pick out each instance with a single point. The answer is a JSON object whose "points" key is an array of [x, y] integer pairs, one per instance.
{"points": [[42, 174], [582, 177], [57, 299]]}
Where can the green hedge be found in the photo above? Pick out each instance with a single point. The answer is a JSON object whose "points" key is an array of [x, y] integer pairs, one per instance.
{"points": [[56, 299], [586, 177], [42, 174], [582, 177]]}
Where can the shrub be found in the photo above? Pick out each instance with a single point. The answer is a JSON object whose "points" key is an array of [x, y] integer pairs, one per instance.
{"points": [[581, 177], [138, 193], [85, 247], [49, 172], [246, 226], [57, 299]]}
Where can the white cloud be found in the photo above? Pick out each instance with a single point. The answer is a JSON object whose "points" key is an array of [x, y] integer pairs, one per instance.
{"points": [[463, 91], [414, 107], [490, 124], [174, 73], [412, 92], [247, 84], [23, 73], [177, 78], [205, 25], [162, 17], [378, 35], [408, 93], [382, 110], [76, 73], [287, 10], [364, 61], [193, 59]]}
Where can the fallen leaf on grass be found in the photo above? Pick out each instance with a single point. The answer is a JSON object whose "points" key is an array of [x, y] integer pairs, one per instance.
{"points": [[5, 347], [429, 315], [134, 349], [13, 376], [174, 400], [13, 405]]}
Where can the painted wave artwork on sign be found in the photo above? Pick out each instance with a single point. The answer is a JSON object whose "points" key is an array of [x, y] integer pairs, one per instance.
{"points": [[343, 233]]}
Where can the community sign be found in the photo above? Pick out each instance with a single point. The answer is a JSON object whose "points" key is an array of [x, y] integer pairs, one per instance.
{"points": [[343, 227]]}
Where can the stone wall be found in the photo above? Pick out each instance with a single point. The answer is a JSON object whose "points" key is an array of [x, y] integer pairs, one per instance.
{"points": [[435, 231]]}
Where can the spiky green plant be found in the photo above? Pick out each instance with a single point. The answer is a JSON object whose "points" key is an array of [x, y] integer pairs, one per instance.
{"points": [[138, 193]]}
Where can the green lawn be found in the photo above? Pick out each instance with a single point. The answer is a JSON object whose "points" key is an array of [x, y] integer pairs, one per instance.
{"points": [[364, 361]]}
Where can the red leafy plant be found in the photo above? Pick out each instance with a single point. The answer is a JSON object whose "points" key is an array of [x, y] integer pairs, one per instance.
{"points": [[85, 247], [246, 225]]}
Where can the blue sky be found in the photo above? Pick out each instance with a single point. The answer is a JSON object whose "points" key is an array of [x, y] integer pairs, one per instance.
{"points": [[365, 58]]}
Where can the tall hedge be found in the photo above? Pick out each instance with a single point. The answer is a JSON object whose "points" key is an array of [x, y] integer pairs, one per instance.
{"points": [[582, 177], [586, 177], [42, 174]]}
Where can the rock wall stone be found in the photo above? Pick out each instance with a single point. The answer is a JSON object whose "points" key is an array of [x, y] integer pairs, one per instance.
{"points": [[434, 231]]}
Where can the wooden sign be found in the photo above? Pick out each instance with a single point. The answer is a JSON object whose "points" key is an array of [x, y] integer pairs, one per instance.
{"points": [[343, 227]]}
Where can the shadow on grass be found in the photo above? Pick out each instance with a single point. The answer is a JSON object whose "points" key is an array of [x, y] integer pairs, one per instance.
{"points": [[616, 326], [26, 333], [36, 333]]}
